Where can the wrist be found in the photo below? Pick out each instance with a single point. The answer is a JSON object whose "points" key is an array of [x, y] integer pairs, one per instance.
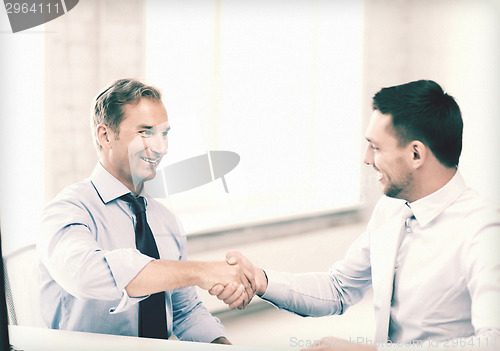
{"points": [[207, 274], [261, 278], [201, 274]]}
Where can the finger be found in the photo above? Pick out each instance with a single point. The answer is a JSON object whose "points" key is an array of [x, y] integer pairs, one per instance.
{"points": [[237, 295], [231, 260], [250, 277], [234, 256], [246, 267], [246, 302], [249, 290], [228, 291], [240, 303], [216, 289], [248, 280]]}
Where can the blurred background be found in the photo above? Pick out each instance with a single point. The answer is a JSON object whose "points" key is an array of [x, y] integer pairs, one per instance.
{"points": [[285, 84]]}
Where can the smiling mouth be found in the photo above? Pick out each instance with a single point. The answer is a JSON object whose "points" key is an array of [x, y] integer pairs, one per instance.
{"points": [[151, 161]]}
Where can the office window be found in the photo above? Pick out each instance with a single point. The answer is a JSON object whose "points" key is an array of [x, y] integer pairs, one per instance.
{"points": [[279, 83]]}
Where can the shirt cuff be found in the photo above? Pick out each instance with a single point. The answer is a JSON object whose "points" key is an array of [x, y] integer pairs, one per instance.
{"points": [[125, 302], [278, 287], [125, 264]]}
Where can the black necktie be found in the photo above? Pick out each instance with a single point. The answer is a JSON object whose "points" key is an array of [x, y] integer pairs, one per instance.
{"points": [[152, 312]]}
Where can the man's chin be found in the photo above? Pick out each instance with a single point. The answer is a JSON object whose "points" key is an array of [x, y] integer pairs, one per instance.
{"points": [[140, 179], [393, 192]]}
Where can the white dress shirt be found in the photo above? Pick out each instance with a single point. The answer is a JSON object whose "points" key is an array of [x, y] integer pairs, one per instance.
{"points": [[447, 277]]}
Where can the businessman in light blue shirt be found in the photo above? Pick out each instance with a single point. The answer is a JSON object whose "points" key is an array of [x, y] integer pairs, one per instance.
{"points": [[92, 274]]}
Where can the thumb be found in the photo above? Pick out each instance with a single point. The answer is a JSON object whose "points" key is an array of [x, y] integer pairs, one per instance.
{"points": [[231, 260], [231, 257], [216, 289]]}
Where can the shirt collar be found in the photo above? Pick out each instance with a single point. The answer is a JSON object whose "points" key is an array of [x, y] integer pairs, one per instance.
{"points": [[107, 186], [431, 206]]}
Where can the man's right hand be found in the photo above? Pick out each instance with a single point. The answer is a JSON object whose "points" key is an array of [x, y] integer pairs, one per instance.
{"points": [[226, 274], [231, 294], [161, 275]]}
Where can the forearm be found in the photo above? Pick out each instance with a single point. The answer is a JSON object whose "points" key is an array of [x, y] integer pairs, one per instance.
{"points": [[162, 275], [312, 294]]}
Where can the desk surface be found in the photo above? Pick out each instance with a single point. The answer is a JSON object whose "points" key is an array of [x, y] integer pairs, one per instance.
{"points": [[38, 339]]}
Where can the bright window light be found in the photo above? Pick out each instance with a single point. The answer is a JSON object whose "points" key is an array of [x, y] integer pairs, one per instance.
{"points": [[279, 83], [21, 135]]}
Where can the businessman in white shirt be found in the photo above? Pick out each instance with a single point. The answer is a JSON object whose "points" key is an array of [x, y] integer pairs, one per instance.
{"points": [[430, 251]]}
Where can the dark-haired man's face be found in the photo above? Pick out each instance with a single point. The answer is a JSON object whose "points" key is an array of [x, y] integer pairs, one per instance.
{"points": [[389, 160]]}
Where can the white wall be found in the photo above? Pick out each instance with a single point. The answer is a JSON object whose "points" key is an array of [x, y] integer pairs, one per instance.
{"points": [[455, 43], [21, 134], [451, 41], [277, 82]]}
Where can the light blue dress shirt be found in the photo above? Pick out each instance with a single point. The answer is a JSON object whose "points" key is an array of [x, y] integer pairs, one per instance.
{"points": [[447, 280], [87, 257]]}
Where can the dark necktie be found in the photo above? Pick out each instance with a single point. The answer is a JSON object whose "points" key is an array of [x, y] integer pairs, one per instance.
{"points": [[152, 312]]}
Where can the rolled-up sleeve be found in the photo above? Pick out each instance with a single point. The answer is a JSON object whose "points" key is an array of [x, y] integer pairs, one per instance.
{"points": [[125, 264], [72, 256]]}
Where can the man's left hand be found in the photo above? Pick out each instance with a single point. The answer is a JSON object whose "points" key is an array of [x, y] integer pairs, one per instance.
{"points": [[221, 340]]}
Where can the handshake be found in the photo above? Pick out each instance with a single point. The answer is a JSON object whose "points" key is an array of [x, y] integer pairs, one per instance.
{"points": [[235, 281]]}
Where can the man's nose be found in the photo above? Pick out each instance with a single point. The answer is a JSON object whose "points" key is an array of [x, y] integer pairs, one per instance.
{"points": [[368, 157], [158, 144]]}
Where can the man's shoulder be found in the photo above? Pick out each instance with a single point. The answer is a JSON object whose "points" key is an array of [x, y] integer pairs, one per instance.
{"points": [[77, 193], [74, 204], [474, 207], [478, 200]]}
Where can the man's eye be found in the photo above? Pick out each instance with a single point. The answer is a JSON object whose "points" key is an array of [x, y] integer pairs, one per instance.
{"points": [[165, 134], [146, 133], [374, 147]]}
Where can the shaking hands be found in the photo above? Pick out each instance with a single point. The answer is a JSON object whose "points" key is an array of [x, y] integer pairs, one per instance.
{"points": [[249, 281]]}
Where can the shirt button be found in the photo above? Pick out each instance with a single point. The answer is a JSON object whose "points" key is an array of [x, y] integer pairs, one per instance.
{"points": [[408, 230]]}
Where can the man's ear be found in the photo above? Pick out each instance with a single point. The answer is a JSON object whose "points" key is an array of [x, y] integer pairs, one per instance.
{"points": [[103, 136], [419, 153]]}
